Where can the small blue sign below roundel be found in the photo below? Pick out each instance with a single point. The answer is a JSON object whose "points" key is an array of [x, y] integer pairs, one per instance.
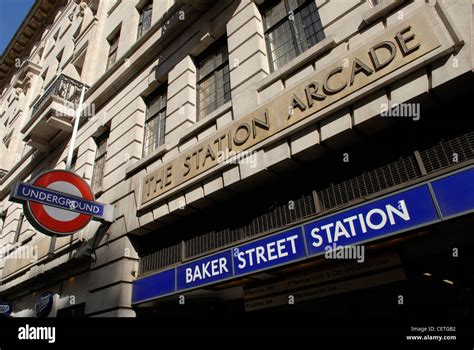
{"points": [[5, 308], [44, 304]]}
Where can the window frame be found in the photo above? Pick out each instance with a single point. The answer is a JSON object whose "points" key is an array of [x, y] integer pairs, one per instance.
{"points": [[147, 7], [160, 114], [211, 50], [56, 35], [44, 76], [59, 58], [113, 48], [104, 137], [373, 3], [266, 31], [73, 160]]}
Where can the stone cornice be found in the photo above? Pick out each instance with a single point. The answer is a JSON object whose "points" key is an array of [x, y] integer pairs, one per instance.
{"points": [[40, 15]]}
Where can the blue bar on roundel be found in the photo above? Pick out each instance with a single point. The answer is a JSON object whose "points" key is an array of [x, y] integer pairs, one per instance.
{"points": [[57, 199], [455, 193], [153, 286]]}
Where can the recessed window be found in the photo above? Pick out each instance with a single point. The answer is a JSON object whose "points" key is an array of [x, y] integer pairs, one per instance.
{"points": [[76, 33], [155, 120], [73, 161], [3, 214], [213, 83], [7, 139], [39, 55], [113, 44], [59, 57], [144, 22], [291, 27], [43, 78], [56, 36], [94, 6], [79, 63], [373, 2], [99, 164]]}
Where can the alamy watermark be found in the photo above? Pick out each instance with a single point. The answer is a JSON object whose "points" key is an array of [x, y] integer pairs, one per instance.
{"points": [[68, 110], [16, 251], [354, 252], [400, 110], [231, 157]]}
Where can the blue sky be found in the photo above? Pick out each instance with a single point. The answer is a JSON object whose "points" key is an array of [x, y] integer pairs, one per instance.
{"points": [[12, 13]]}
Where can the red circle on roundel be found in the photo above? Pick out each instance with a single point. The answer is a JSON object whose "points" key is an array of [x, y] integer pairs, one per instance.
{"points": [[50, 223]]}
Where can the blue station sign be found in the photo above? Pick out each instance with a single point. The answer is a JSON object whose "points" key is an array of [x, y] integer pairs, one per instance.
{"points": [[380, 218], [204, 271], [424, 204], [280, 249]]}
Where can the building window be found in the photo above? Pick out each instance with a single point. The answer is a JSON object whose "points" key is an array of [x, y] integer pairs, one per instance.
{"points": [[56, 36], [3, 215], [79, 64], [99, 165], [213, 85], [59, 58], [373, 2], [291, 27], [144, 22], [73, 161], [7, 138], [113, 43], [43, 78], [155, 120]]}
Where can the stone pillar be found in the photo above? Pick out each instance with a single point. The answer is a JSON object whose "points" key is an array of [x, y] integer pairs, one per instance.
{"points": [[110, 280], [247, 56], [181, 106]]}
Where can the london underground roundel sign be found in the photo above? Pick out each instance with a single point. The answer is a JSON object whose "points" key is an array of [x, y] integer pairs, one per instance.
{"points": [[59, 202]]}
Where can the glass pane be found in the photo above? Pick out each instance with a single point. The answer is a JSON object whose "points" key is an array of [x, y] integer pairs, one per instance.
{"points": [[308, 28], [154, 133], [101, 148], [294, 4], [161, 133], [282, 47], [207, 92], [147, 20], [114, 42], [156, 116], [157, 103], [274, 14], [98, 172], [214, 84], [111, 60], [212, 61]]}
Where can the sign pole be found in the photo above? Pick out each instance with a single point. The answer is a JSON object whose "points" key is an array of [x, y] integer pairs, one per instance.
{"points": [[74, 130]]}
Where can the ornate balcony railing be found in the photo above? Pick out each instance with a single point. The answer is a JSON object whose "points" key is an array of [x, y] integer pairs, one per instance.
{"points": [[64, 87]]}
